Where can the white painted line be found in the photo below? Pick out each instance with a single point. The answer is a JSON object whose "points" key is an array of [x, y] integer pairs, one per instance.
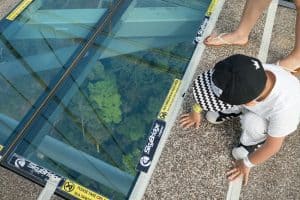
{"points": [[144, 178], [266, 38], [49, 188], [234, 188]]}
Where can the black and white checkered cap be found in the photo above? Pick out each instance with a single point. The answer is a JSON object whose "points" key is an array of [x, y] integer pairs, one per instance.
{"points": [[204, 95]]}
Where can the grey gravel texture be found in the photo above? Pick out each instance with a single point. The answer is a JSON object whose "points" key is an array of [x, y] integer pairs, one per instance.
{"points": [[194, 162], [15, 187], [6, 6]]}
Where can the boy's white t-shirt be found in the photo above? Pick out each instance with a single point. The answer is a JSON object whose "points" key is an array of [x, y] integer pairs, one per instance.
{"points": [[281, 108]]}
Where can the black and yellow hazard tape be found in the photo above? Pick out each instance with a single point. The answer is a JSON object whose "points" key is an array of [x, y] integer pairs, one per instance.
{"points": [[169, 100], [205, 21], [18, 10], [80, 192], [211, 8]]}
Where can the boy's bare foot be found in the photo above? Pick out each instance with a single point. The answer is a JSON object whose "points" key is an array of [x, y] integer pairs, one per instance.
{"points": [[226, 39]]}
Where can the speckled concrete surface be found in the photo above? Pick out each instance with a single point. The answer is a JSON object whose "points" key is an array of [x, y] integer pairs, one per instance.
{"points": [[193, 162], [15, 187], [6, 6]]}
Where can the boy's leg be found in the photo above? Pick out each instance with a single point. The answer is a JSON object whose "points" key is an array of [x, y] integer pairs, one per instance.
{"points": [[221, 116], [254, 130]]}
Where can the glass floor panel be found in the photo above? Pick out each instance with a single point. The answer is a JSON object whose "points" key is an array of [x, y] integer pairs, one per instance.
{"points": [[87, 102], [35, 48]]}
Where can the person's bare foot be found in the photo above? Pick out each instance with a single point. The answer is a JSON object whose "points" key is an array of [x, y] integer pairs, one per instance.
{"points": [[226, 39], [291, 63]]}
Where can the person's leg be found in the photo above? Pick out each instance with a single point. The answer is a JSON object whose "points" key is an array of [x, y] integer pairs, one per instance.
{"points": [[254, 130], [252, 11], [292, 61], [220, 117]]}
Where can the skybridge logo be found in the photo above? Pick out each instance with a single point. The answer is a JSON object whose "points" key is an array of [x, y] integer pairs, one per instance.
{"points": [[156, 132], [145, 161], [31, 168], [20, 163]]}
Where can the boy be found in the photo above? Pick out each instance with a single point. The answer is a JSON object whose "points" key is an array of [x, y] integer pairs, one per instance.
{"points": [[265, 96]]}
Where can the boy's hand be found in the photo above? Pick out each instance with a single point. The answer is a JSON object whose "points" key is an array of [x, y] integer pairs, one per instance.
{"points": [[189, 119], [239, 170]]}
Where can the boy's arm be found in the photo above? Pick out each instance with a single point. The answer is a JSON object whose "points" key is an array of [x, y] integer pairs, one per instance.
{"points": [[242, 167], [271, 146]]}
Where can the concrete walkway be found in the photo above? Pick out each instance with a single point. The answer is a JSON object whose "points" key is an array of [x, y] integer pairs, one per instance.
{"points": [[194, 162]]}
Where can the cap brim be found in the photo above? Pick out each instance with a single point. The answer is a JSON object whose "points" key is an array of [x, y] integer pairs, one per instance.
{"points": [[204, 95]]}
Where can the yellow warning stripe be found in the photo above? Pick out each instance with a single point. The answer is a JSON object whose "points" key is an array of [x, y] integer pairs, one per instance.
{"points": [[80, 192], [169, 100], [18, 10], [211, 7]]}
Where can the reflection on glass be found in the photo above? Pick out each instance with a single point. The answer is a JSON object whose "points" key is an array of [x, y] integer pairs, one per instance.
{"points": [[94, 128], [35, 47]]}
